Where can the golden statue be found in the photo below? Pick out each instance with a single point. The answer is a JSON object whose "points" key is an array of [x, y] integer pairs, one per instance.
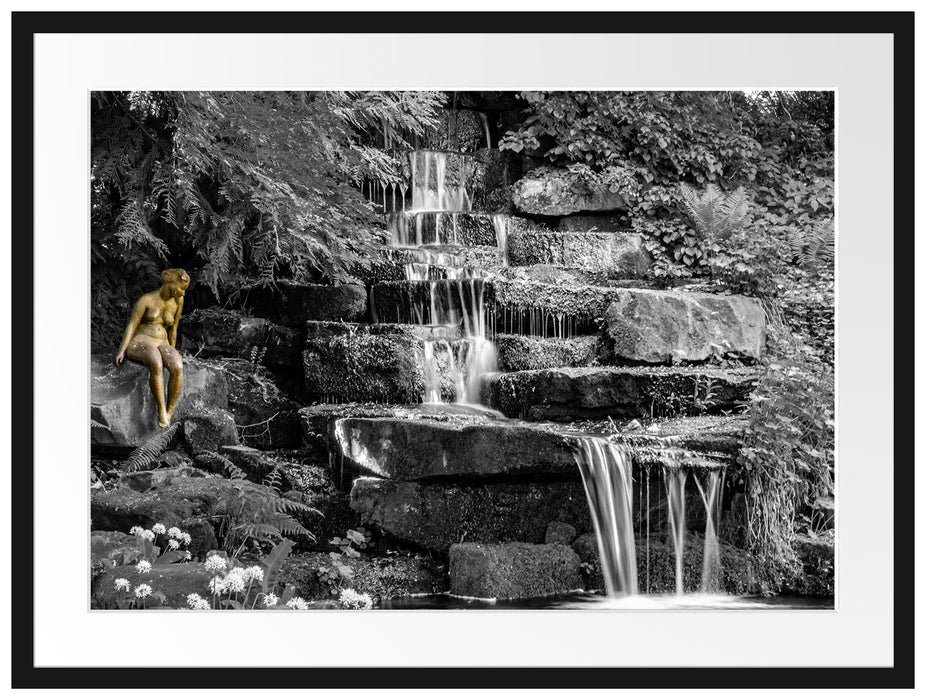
{"points": [[151, 337]]}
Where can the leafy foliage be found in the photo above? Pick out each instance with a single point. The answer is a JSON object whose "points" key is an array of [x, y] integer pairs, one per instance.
{"points": [[237, 186], [788, 457], [147, 453]]}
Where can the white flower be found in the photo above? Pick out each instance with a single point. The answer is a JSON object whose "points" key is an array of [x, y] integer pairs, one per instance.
{"points": [[215, 563], [173, 544], [352, 600], [158, 528], [175, 533], [185, 538], [217, 585], [122, 584], [186, 555], [136, 530], [270, 600], [142, 591], [254, 573], [147, 534], [197, 602], [234, 580], [143, 567], [297, 603]]}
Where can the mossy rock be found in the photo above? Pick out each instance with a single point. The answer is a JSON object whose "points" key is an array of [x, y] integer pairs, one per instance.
{"points": [[522, 352], [513, 570]]}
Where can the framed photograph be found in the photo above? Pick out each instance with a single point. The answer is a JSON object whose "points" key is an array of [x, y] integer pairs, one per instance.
{"points": [[533, 349]]}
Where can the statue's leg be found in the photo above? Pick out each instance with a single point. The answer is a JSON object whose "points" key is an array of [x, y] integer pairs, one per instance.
{"points": [[149, 355], [174, 364]]}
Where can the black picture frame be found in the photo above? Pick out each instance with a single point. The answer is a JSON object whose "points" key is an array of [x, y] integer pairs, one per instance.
{"points": [[25, 25]]}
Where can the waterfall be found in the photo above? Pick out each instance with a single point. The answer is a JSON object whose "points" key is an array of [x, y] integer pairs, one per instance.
{"points": [[606, 475], [675, 486], [455, 294], [711, 496], [500, 222]]}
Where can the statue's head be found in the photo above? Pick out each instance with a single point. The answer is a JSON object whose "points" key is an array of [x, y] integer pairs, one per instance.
{"points": [[176, 281]]}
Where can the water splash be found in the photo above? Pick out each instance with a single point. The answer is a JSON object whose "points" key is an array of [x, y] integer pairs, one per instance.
{"points": [[606, 475]]}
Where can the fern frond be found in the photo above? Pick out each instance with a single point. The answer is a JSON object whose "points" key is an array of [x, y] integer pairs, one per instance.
{"points": [[96, 425], [146, 453], [232, 470]]}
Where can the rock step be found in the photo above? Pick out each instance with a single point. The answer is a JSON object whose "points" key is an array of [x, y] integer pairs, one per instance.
{"points": [[436, 516], [525, 352], [617, 253], [418, 228], [231, 333], [566, 393], [456, 448], [292, 303]]}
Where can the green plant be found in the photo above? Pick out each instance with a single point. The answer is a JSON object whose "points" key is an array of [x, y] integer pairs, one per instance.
{"points": [[334, 576], [147, 453], [251, 514], [353, 541], [715, 215], [787, 457]]}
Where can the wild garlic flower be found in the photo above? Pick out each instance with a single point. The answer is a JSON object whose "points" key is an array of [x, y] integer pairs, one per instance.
{"points": [[175, 533], [297, 603], [352, 600], [234, 580], [136, 530], [122, 584], [158, 529], [173, 544], [185, 538], [147, 534], [254, 573], [143, 590], [143, 567], [215, 563], [270, 600], [197, 602], [217, 585]]}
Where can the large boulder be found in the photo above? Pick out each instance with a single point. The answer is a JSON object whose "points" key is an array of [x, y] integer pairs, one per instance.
{"points": [[620, 254], [513, 570], [467, 448], [121, 400], [620, 392], [172, 502], [230, 333], [550, 192], [209, 430], [349, 362], [644, 325], [435, 516], [292, 304]]}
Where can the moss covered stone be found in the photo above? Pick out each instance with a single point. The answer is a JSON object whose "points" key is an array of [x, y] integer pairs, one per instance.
{"points": [[292, 304], [555, 192], [513, 570], [620, 254], [347, 362], [523, 352], [436, 516], [231, 333], [619, 392], [645, 325]]}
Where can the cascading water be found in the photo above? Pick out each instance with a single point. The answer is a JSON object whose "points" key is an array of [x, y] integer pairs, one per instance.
{"points": [[711, 494], [606, 475], [675, 487], [455, 294]]}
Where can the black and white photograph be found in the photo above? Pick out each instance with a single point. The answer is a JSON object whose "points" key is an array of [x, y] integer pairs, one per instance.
{"points": [[454, 349]]}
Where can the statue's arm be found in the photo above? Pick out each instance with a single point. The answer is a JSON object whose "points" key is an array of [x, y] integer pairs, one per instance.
{"points": [[137, 313], [172, 333]]}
